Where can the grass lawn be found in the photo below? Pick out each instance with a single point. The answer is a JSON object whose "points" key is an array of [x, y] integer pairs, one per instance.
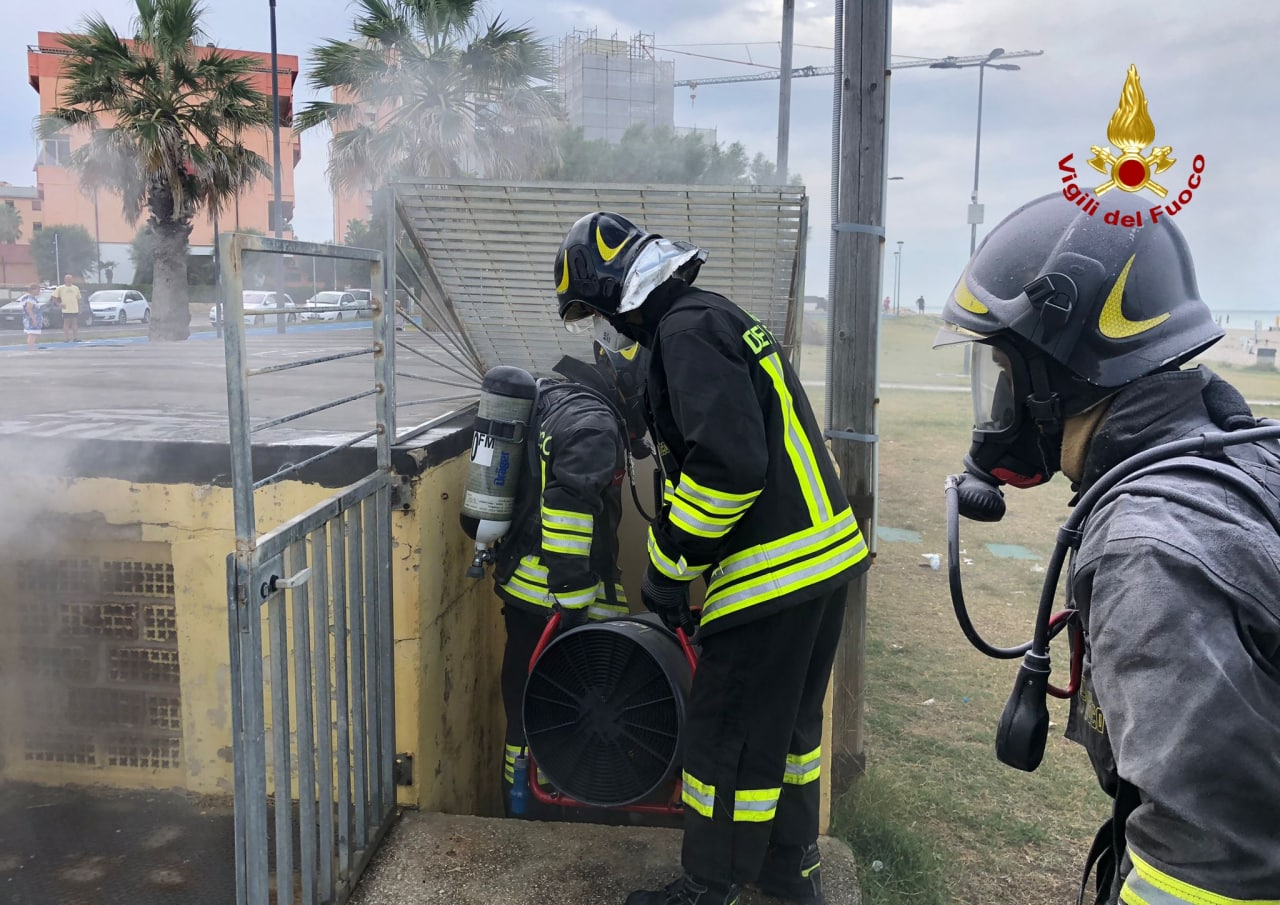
{"points": [[945, 821]]}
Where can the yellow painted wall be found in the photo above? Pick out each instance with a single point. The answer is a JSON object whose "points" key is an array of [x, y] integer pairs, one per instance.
{"points": [[448, 628]]}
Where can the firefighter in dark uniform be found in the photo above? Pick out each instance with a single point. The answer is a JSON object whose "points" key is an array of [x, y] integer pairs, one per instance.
{"points": [[1080, 329], [561, 552], [754, 507]]}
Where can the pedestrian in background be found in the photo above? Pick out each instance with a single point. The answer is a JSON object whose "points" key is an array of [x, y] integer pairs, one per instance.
{"points": [[32, 322], [67, 297]]}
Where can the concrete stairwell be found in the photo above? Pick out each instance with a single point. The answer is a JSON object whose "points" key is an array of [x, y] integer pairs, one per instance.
{"points": [[440, 859]]}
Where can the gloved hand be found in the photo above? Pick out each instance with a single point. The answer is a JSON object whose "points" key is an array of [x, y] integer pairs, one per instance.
{"points": [[668, 599]]}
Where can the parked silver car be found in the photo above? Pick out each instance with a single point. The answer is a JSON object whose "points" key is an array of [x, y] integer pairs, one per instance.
{"points": [[261, 306]]}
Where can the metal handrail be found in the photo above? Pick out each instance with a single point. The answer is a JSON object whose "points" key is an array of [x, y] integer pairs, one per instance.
{"points": [[324, 406]]}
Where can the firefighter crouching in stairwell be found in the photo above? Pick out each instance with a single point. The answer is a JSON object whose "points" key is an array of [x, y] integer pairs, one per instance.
{"points": [[561, 553], [754, 507], [1080, 329]]}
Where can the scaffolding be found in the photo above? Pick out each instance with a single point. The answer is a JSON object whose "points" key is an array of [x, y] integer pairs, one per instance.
{"points": [[610, 84]]}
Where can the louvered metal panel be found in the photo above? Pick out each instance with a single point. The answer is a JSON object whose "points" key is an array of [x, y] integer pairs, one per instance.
{"points": [[491, 246]]}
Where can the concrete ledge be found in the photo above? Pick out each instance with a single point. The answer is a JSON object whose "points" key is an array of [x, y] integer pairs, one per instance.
{"points": [[450, 860]]}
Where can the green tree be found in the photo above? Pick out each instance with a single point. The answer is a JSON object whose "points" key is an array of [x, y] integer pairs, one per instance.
{"points": [[76, 251], [167, 120], [10, 232], [425, 88], [657, 156], [10, 224]]}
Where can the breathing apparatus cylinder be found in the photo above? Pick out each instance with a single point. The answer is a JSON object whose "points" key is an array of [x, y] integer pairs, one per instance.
{"points": [[497, 450]]}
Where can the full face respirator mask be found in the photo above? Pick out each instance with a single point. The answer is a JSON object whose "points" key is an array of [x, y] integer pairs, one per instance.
{"points": [[1018, 421], [1017, 428]]}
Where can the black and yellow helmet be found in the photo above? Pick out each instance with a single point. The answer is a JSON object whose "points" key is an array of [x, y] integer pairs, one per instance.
{"points": [[592, 262], [1110, 303]]}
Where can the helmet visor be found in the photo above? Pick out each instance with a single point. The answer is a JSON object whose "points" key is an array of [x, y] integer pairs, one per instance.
{"points": [[995, 407], [577, 317]]}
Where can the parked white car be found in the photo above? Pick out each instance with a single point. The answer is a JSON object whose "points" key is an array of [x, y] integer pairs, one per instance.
{"points": [[364, 301], [261, 307], [336, 306], [119, 306]]}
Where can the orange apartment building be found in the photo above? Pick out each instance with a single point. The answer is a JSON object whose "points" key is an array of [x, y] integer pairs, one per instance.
{"points": [[58, 190]]}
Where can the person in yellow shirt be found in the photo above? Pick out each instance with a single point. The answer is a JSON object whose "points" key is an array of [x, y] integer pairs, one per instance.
{"points": [[68, 298]]}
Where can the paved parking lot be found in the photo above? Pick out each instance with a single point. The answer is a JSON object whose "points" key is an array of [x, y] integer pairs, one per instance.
{"points": [[133, 389]]}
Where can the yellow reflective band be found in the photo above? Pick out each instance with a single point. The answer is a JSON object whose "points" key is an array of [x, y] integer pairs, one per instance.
{"points": [[797, 444], [695, 521], [530, 593], [1148, 885], [565, 520], [680, 571], [569, 544], [755, 805], [668, 490], [803, 769], [575, 600], [600, 611], [698, 795], [509, 774], [714, 500], [781, 552], [784, 581]]}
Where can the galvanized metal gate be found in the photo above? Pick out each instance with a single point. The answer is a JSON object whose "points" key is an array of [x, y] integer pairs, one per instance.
{"points": [[310, 631]]}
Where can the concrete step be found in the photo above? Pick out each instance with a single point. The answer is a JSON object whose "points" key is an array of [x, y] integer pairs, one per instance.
{"points": [[450, 860]]}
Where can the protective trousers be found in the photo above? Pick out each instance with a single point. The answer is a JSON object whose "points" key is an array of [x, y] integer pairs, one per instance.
{"points": [[754, 739], [524, 628]]}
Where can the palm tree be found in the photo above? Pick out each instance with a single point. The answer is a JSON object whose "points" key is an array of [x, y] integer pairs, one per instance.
{"points": [[425, 89], [167, 120]]}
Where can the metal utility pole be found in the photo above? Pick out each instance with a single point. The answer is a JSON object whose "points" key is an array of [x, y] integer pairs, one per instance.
{"points": [[57, 261], [853, 341], [897, 279], [983, 64], [276, 204], [784, 91]]}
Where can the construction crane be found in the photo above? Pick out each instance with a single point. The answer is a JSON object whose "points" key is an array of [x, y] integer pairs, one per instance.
{"points": [[804, 72]]}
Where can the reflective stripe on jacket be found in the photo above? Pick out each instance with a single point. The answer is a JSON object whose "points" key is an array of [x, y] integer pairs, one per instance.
{"points": [[566, 547], [755, 504]]}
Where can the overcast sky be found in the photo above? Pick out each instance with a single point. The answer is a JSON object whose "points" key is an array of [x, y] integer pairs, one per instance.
{"points": [[1208, 70]]}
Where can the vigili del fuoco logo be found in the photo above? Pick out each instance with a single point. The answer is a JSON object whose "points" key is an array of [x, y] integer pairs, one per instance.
{"points": [[1131, 131]]}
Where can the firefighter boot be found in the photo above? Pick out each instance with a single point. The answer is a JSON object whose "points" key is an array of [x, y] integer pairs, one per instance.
{"points": [[793, 873], [686, 891]]}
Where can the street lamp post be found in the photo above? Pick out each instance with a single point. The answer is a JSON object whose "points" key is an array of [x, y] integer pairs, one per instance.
{"points": [[975, 209], [275, 171], [897, 279]]}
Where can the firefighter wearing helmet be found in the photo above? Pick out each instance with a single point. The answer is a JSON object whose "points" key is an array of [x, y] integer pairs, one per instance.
{"points": [[753, 506], [1080, 331]]}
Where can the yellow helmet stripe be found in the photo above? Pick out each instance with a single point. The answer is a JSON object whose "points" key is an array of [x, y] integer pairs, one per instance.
{"points": [[607, 253], [966, 299], [1112, 323], [563, 285]]}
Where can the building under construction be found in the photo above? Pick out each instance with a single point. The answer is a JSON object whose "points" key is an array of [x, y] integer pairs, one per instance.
{"points": [[610, 85]]}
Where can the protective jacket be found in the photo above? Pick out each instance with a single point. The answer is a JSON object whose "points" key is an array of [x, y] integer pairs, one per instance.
{"points": [[563, 546], [1177, 579], [754, 502]]}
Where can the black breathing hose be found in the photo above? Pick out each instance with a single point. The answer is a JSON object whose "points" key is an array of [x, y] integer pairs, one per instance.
{"points": [[1211, 444], [957, 592]]}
